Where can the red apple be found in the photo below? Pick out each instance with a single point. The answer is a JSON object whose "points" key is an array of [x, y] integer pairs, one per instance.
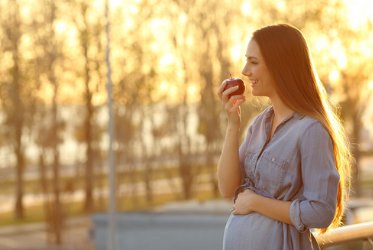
{"points": [[231, 82]]}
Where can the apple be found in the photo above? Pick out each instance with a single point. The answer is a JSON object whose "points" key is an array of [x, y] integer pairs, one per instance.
{"points": [[231, 82]]}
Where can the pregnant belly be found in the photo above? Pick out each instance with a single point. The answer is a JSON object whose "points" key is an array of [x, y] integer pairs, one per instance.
{"points": [[252, 231]]}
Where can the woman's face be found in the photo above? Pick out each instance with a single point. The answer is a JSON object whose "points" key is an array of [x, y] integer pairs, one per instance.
{"points": [[255, 69]]}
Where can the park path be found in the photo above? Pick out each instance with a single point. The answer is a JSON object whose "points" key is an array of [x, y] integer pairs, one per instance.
{"points": [[76, 236]]}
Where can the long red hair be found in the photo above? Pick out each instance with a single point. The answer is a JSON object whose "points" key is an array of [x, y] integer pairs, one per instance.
{"points": [[288, 59]]}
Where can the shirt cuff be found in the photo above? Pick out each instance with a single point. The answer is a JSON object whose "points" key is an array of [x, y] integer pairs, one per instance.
{"points": [[295, 218]]}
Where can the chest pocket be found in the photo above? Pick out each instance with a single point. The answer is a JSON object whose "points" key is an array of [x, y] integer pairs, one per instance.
{"points": [[270, 173]]}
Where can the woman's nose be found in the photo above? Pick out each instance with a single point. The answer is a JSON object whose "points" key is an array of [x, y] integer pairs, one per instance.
{"points": [[246, 71]]}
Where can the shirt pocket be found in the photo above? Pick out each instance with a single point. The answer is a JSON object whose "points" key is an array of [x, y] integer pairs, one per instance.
{"points": [[270, 172]]}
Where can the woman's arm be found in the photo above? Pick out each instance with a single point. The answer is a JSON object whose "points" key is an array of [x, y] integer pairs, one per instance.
{"points": [[229, 172], [248, 202], [320, 178]]}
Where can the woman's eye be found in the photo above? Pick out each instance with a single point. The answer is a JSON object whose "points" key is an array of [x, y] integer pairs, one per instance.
{"points": [[253, 62]]}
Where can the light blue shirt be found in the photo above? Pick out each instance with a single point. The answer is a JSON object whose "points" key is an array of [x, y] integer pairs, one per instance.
{"points": [[297, 164]]}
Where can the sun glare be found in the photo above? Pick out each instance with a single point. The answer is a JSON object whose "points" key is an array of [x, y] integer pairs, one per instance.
{"points": [[360, 11], [370, 85], [163, 87], [281, 6], [167, 60], [193, 93], [337, 51], [246, 8], [322, 43], [61, 27], [236, 52], [334, 76]]}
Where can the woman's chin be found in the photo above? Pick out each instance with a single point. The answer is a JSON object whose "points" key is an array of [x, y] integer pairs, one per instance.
{"points": [[255, 93], [258, 92]]}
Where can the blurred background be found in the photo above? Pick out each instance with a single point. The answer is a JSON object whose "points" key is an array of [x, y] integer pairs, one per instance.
{"points": [[168, 58]]}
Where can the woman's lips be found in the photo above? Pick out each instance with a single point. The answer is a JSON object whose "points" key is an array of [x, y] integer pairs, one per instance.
{"points": [[254, 83]]}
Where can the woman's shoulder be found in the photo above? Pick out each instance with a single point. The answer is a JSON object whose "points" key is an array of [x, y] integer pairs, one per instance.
{"points": [[310, 127], [308, 122]]}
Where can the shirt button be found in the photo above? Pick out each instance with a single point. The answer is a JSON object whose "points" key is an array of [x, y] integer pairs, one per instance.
{"points": [[273, 159]]}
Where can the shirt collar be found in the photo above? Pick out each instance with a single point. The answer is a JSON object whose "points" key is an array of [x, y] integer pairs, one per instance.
{"points": [[269, 112]]}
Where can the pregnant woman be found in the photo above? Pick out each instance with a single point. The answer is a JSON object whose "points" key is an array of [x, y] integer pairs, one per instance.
{"points": [[291, 172]]}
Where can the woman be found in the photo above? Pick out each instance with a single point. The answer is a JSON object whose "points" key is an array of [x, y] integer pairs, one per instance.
{"points": [[291, 173]]}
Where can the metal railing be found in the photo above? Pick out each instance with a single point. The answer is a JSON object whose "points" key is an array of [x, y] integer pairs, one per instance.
{"points": [[345, 234]]}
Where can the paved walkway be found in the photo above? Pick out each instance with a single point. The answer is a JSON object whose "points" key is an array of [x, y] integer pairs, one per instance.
{"points": [[76, 236]]}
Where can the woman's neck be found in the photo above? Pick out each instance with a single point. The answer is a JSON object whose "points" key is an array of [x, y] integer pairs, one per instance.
{"points": [[281, 111]]}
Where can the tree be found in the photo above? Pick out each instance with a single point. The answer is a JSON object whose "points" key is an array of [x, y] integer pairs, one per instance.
{"points": [[134, 87], [15, 96], [91, 78], [351, 87], [49, 136]]}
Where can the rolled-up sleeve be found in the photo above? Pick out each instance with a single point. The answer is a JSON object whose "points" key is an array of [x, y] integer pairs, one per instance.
{"points": [[316, 208]]}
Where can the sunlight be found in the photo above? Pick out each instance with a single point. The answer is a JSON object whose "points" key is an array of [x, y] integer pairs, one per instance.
{"points": [[61, 27], [246, 8], [193, 93], [370, 85], [280, 5], [321, 43], [46, 90], [26, 11], [26, 42], [183, 18], [337, 51], [166, 60], [133, 9], [334, 75], [236, 52], [163, 87], [359, 12], [115, 3]]}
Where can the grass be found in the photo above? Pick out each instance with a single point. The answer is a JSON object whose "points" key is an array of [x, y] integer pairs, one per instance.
{"points": [[7, 186], [37, 213]]}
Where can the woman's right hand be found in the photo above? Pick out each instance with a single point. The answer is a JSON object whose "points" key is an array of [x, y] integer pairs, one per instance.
{"points": [[232, 104]]}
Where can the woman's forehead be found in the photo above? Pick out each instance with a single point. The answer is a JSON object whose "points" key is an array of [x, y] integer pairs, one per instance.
{"points": [[252, 49]]}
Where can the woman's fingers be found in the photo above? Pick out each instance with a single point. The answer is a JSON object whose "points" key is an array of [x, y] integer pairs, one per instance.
{"points": [[234, 210], [226, 93], [234, 102], [237, 101], [221, 88]]}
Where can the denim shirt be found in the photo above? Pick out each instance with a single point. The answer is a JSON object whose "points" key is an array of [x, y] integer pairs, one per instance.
{"points": [[297, 164]]}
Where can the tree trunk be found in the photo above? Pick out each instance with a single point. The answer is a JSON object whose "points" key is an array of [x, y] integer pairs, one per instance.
{"points": [[57, 206], [19, 207], [18, 124], [355, 141], [89, 206], [185, 166], [89, 176], [45, 189]]}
